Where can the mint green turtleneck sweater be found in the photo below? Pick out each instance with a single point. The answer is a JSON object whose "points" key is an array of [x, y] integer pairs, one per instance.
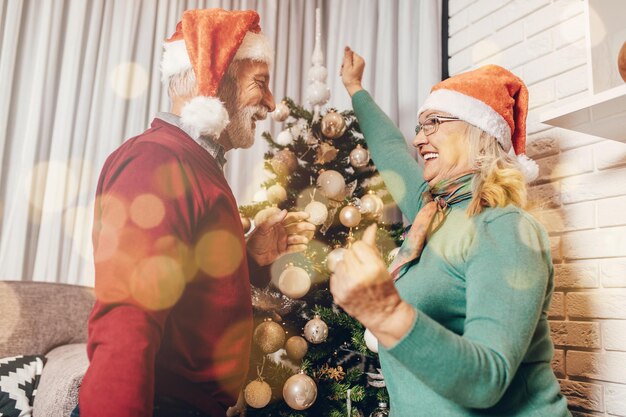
{"points": [[480, 344]]}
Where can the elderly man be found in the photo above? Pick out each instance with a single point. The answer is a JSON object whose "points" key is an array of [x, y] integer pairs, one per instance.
{"points": [[170, 334]]}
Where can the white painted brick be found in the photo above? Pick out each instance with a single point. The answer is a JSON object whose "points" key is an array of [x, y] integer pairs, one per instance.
{"points": [[575, 334], [457, 22], [460, 62], [455, 6], [515, 11], [540, 145], [607, 366], [602, 305], [599, 243], [613, 273], [469, 36], [569, 139], [546, 195], [572, 82], [566, 164], [583, 395], [497, 42], [557, 307], [533, 122], [541, 93], [614, 335], [555, 63], [555, 248], [612, 212], [581, 275], [603, 184], [609, 154], [558, 363], [482, 8], [569, 31], [522, 53], [551, 15], [569, 218], [615, 399]]}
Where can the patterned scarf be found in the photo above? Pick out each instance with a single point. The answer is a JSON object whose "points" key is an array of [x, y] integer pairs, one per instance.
{"points": [[436, 203]]}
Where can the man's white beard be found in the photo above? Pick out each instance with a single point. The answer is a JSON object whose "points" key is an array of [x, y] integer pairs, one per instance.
{"points": [[240, 130]]}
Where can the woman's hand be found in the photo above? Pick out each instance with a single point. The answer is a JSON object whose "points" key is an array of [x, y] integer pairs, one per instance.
{"points": [[362, 286], [352, 71]]}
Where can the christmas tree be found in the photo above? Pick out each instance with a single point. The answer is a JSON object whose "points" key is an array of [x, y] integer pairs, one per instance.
{"points": [[322, 167], [310, 358]]}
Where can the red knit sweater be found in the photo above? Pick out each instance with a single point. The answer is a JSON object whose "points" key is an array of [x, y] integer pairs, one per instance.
{"points": [[173, 314]]}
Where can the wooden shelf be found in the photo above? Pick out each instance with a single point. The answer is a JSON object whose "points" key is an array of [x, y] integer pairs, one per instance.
{"points": [[603, 114]]}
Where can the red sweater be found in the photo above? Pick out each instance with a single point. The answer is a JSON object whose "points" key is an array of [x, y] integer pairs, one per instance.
{"points": [[173, 315]]}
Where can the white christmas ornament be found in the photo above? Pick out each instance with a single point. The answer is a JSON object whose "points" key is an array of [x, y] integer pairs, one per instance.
{"points": [[284, 138], [260, 196], [370, 341], [276, 194], [318, 212], [372, 205], [334, 257], [331, 184], [316, 330], [294, 282], [281, 113], [317, 92]]}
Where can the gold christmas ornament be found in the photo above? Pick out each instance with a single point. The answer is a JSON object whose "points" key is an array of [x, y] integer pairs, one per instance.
{"points": [[350, 216], [276, 194], [284, 162], [316, 331], [294, 282], [372, 205], [331, 184], [296, 348], [333, 124], [325, 153], [359, 157], [257, 394], [300, 391], [318, 212], [269, 336], [264, 214], [334, 257], [281, 113], [245, 223]]}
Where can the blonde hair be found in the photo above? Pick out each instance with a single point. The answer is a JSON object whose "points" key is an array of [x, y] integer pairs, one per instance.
{"points": [[498, 181]]}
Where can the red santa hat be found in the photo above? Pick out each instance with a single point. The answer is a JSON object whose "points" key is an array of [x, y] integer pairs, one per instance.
{"points": [[492, 99], [207, 41]]}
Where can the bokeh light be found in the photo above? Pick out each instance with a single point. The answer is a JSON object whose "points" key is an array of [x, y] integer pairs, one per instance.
{"points": [[129, 80], [157, 282], [177, 249], [219, 253], [147, 211]]}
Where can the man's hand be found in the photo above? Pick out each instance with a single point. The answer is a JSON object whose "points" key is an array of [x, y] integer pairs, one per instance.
{"points": [[280, 234], [352, 71]]}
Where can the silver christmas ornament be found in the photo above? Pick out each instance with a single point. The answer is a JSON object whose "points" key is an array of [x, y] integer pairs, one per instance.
{"points": [[316, 331], [350, 216], [359, 157], [331, 184], [333, 124], [300, 391], [372, 205], [281, 113], [294, 282]]}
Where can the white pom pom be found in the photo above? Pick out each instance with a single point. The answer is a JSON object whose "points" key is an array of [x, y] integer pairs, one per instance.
{"points": [[284, 138], [205, 116], [529, 168]]}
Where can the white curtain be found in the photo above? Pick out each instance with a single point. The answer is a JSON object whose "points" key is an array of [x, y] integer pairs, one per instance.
{"points": [[81, 76]]}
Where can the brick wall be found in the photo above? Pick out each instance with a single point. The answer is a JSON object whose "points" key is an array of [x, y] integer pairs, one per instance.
{"points": [[581, 191]]}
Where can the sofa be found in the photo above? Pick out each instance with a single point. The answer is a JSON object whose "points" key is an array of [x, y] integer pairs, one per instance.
{"points": [[41, 318]]}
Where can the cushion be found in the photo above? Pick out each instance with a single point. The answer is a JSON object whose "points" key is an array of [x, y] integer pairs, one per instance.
{"points": [[36, 317], [19, 376], [57, 394]]}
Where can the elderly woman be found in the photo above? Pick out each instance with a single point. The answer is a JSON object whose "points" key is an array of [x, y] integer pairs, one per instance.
{"points": [[461, 313]]}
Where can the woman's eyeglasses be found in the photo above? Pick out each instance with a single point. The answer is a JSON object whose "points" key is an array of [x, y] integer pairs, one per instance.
{"points": [[431, 124]]}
